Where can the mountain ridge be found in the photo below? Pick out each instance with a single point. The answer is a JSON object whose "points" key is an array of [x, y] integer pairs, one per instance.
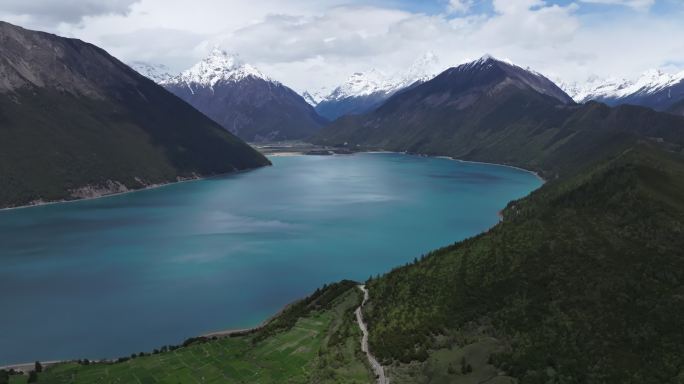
{"points": [[654, 89], [76, 122], [492, 111], [364, 91], [244, 100]]}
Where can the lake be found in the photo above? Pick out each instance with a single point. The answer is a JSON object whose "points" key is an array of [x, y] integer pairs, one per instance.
{"points": [[108, 277]]}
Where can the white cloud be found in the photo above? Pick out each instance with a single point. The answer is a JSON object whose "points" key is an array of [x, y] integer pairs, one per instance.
{"points": [[315, 43], [459, 6], [67, 11], [640, 5]]}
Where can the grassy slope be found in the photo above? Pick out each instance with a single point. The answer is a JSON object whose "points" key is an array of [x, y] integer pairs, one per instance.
{"points": [[582, 282], [317, 342]]}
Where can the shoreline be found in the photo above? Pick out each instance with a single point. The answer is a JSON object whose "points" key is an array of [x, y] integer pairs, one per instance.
{"points": [[232, 332], [273, 154], [146, 188], [26, 367], [246, 331], [302, 153]]}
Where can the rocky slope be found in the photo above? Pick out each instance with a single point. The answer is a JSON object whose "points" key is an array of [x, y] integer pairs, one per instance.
{"points": [[244, 100], [74, 120]]}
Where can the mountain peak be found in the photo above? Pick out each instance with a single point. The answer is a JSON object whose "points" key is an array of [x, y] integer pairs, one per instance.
{"points": [[486, 57], [219, 65], [489, 71], [158, 73], [613, 90], [490, 59], [376, 82]]}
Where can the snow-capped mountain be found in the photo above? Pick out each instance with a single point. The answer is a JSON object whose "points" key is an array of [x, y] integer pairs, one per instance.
{"points": [[158, 73], [654, 88], [531, 78], [244, 100], [315, 97], [219, 66], [475, 102], [364, 91]]}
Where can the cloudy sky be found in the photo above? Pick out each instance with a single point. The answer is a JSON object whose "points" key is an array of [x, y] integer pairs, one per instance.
{"points": [[309, 44]]}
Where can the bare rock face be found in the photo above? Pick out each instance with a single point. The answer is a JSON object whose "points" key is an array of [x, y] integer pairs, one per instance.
{"points": [[90, 191], [35, 59]]}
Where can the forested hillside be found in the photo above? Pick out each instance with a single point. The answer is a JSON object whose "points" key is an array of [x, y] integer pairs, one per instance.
{"points": [[582, 282]]}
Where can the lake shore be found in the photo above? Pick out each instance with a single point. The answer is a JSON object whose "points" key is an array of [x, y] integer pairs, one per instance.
{"points": [[300, 149], [272, 150], [233, 331], [42, 203]]}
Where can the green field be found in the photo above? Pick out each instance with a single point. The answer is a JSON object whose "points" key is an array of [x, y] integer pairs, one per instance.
{"points": [[322, 346]]}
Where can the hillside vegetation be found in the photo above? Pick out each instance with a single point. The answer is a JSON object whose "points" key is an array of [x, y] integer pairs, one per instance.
{"points": [[494, 112], [583, 282], [314, 340], [75, 122]]}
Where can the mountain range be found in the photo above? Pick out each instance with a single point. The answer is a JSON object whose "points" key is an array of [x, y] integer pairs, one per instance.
{"points": [[158, 73], [654, 89], [240, 98], [491, 110], [76, 122], [570, 276], [364, 91], [582, 281]]}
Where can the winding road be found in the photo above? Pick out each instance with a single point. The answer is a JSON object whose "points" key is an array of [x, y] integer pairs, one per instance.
{"points": [[377, 367]]}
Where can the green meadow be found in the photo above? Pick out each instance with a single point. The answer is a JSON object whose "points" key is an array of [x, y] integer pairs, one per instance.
{"points": [[322, 346]]}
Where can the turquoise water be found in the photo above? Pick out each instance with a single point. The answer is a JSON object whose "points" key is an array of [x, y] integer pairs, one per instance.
{"points": [[129, 273]]}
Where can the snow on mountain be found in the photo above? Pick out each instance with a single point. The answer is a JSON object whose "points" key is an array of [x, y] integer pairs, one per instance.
{"points": [[156, 72], [488, 64], [315, 97], [361, 84], [652, 81], [218, 66], [614, 89], [376, 82], [423, 69]]}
